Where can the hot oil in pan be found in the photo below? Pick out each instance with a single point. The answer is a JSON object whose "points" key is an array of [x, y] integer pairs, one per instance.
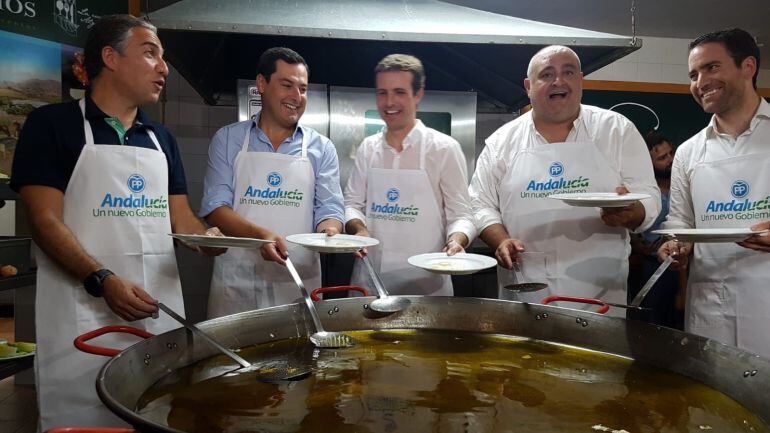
{"points": [[420, 381]]}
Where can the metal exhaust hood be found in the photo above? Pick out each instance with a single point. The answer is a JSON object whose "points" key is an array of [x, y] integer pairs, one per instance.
{"points": [[213, 43]]}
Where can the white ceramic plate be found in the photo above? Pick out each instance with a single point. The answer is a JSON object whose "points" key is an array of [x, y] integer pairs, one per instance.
{"points": [[458, 264], [332, 244], [599, 199], [709, 235], [220, 241]]}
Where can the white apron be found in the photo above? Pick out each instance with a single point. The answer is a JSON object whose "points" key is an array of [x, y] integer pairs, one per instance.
{"points": [[584, 256], [133, 242], [402, 213], [727, 297], [275, 191]]}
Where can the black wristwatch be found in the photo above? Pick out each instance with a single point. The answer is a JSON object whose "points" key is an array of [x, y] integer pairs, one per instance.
{"points": [[94, 282]]}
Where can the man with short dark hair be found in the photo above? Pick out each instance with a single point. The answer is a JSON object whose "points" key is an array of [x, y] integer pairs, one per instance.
{"points": [[563, 146], [103, 186], [268, 178], [412, 166], [721, 180]]}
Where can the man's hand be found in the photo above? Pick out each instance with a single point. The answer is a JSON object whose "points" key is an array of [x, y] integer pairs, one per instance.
{"points": [[128, 300], [760, 242], [363, 251], [275, 251], [455, 244], [629, 217], [680, 250], [507, 251], [212, 251]]}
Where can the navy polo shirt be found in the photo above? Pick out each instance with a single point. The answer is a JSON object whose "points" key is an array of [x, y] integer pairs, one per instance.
{"points": [[52, 138]]}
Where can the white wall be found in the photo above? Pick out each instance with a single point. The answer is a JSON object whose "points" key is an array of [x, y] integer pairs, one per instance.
{"points": [[660, 60]]}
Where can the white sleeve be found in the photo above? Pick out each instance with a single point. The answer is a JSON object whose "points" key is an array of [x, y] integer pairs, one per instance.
{"points": [[680, 208], [637, 174], [355, 190], [484, 186], [454, 190]]}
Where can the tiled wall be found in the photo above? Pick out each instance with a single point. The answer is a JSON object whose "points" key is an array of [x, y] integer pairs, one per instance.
{"points": [[660, 60]]}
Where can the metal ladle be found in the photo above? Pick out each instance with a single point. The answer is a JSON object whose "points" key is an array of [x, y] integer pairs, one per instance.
{"points": [[320, 338], [290, 370], [523, 287], [384, 303]]}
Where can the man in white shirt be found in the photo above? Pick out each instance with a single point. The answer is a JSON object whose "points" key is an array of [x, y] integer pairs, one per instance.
{"points": [[721, 180], [408, 187], [561, 146]]}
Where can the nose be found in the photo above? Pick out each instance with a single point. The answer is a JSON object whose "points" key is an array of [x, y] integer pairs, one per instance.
{"points": [[162, 68]]}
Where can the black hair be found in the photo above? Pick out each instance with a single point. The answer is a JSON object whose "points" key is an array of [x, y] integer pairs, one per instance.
{"points": [[266, 66], [654, 138], [109, 31]]}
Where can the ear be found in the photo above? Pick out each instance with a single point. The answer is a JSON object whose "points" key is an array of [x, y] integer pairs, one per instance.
{"points": [[261, 83], [527, 85], [110, 57], [418, 96], [749, 66]]}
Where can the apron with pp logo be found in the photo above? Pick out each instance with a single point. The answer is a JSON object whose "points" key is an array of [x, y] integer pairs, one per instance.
{"points": [[116, 206], [275, 191]]}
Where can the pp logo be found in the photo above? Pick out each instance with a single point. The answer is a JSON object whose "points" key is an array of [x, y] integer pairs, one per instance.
{"points": [[740, 188], [274, 178], [393, 194], [136, 183], [556, 169]]}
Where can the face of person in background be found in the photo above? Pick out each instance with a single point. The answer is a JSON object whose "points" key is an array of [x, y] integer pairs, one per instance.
{"points": [[555, 86], [662, 155]]}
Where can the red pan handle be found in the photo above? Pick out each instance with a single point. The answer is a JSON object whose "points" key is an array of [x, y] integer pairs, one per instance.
{"points": [[315, 294], [604, 307], [80, 342]]}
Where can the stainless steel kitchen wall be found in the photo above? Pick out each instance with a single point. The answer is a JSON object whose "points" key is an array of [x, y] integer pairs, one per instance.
{"points": [[316, 113], [354, 116]]}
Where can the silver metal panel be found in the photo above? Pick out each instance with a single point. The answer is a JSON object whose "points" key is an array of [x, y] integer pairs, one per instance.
{"points": [[316, 113], [348, 106], [386, 20]]}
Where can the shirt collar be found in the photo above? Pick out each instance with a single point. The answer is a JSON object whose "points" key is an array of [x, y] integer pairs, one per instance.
{"points": [[296, 135], [412, 138], [94, 112], [576, 124], [763, 112]]}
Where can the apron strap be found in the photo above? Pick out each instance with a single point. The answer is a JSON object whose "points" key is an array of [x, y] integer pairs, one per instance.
{"points": [[422, 155], [304, 142], [89, 133], [86, 124]]}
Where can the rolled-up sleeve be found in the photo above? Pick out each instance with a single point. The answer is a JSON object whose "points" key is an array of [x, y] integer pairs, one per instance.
{"points": [[484, 187], [218, 184], [355, 190], [637, 174], [328, 203], [454, 189]]}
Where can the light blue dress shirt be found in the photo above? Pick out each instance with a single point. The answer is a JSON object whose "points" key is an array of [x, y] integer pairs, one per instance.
{"points": [[219, 183]]}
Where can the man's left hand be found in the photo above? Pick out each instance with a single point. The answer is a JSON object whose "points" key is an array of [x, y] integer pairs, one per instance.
{"points": [[630, 216], [760, 242]]}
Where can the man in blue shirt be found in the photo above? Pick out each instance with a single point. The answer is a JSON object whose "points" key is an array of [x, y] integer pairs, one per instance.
{"points": [[268, 178]]}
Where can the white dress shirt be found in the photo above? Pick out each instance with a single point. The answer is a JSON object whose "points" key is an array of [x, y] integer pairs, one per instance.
{"points": [[614, 136], [444, 164], [711, 145]]}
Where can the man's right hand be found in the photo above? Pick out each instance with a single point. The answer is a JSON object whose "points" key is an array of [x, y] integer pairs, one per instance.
{"points": [[275, 251], [128, 300], [680, 250], [506, 252], [363, 251]]}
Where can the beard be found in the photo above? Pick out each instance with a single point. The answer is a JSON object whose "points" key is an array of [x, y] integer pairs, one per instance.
{"points": [[664, 174]]}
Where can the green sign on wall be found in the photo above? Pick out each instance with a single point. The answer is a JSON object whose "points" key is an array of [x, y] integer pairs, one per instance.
{"points": [[64, 21]]}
